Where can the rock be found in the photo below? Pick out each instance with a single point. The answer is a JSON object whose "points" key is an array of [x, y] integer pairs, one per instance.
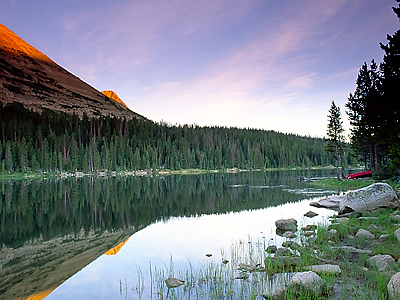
{"points": [[309, 227], [174, 282], [306, 281], [277, 294], [350, 249], [332, 233], [308, 233], [291, 245], [330, 202], [289, 235], [397, 234], [365, 234], [343, 220], [310, 214], [373, 227], [393, 287], [246, 267], [283, 252], [367, 218], [383, 237], [271, 249], [369, 198], [286, 224], [383, 263], [327, 269]]}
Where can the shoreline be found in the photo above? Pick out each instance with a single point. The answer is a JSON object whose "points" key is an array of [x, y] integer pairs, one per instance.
{"points": [[150, 172]]}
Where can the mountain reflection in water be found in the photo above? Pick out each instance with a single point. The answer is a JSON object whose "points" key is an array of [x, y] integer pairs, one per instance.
{"points": [[51, 229]]}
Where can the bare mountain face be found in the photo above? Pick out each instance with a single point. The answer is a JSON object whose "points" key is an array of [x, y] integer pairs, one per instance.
{"points": [[29, 77]]}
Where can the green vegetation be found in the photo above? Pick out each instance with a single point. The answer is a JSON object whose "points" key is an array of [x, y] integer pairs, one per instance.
{"points": [[252, 271], [57, 142], [350, 184]]}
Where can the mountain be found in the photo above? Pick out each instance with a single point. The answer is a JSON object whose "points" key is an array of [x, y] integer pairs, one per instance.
{"points": [[114, 96], [31, 78]]}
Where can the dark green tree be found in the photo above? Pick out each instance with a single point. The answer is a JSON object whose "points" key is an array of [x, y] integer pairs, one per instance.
{"points": [[335, 138]]}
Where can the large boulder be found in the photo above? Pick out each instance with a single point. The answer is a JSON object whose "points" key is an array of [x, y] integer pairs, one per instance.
{"points": [[369, 198], [394, 287]]}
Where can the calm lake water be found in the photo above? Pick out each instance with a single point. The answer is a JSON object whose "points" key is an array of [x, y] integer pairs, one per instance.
{"points": [[121, 237]]}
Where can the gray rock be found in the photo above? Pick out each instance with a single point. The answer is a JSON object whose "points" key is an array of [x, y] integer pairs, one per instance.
{"points": [[327, 269], [369, 198], [343, 220], [393, 287], [310, 214], [395, 217], [330, 202], [383, 263], [277, 294], [365, 234], [174, 282], [306, 281], [308, 233], [383, 237], [291, 245], [397, 234], [289, 235], [283, 252], [309, 227], [286, 224], [271, 249], [332, 233], [350, 249]]}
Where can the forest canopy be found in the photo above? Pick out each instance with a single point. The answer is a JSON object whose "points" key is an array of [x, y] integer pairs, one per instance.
{"points": [[58, 142]]}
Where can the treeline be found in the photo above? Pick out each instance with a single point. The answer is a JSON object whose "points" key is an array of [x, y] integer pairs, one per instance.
{"points": [[58, 142]]}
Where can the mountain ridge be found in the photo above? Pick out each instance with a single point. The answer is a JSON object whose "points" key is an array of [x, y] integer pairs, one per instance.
{"points": [[29, 77]]}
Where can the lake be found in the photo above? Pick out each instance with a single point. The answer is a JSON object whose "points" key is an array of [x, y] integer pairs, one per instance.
{"points": [[121, 237]]}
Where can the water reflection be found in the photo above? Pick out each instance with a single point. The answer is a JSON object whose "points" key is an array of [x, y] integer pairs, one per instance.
{"points": [[52, 229]]}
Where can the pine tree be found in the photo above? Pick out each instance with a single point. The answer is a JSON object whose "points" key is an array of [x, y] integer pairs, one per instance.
{"points": [[335, 140]]}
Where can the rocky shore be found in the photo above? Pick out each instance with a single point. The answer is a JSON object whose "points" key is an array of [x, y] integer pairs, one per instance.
{"points": [[355, 256]]}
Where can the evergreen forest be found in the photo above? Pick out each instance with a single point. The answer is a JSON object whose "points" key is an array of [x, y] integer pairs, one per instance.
{"points": [[57, 142]]}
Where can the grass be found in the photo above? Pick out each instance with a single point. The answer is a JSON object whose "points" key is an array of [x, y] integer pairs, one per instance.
{"points": [[350, 183], [251, 271]]}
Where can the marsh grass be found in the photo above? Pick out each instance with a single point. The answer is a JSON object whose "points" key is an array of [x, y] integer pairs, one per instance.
{"points": [[248, 271]]}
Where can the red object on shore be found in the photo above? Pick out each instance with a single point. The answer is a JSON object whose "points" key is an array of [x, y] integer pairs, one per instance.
{"points": [[359, 175]]}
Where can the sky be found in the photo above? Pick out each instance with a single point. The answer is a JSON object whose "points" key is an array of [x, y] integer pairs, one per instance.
{"points": [[273, 65]]}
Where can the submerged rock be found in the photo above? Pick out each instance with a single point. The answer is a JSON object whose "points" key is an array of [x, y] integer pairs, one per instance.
{"points": [[271, 249], [283, 252], [310, 214], [277, 294], [174, 282], [330, 202]]}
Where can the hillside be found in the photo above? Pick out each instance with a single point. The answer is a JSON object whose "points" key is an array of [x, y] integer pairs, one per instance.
{"points": [[29, 77]]}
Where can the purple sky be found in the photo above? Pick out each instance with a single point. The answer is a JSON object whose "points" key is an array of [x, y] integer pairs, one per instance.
{"points": [[251, 64]]}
